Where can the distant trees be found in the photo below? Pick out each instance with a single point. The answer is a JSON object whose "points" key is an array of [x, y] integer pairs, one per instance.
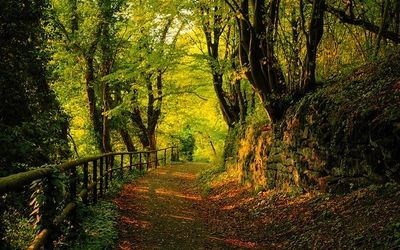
{"points": [[97, 47], [141, 72], [124, 55]]}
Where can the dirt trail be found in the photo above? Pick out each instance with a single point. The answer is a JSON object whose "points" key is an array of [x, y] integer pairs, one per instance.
{"points": [[164, 210]]}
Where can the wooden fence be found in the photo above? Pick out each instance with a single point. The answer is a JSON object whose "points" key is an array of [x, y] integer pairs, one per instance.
{"points": [[92, 181]]}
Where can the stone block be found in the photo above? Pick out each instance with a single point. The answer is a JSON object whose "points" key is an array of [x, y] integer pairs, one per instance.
{"points": [[289, 162], [271, 166], [305, 133], [281, 168]]}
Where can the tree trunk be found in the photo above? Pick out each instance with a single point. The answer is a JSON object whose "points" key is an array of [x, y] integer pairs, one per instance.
{"points": [[106, 139], [94, 112], [127, 139], [152, 139], [313, 38], [228, 101], [258, 56], [382, 26], [136, 119], [397, 18], [106, 68]]}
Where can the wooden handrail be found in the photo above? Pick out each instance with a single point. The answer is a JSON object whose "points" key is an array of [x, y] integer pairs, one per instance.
{"points": [[16, 181], [101, 173]]}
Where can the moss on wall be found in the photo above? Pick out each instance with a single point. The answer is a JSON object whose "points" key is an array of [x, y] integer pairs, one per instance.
{"points": [[344, 135]]}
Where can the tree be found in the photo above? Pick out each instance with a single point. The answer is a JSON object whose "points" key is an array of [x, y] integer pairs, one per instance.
{"points": [[141, 75], [33, 128], [215, 23], [257, 28], [313, 38], [152, 47], [97, 47], [361, 13]]}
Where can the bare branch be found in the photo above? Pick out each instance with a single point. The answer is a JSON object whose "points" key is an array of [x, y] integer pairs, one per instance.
{"points": [[362, 23]]}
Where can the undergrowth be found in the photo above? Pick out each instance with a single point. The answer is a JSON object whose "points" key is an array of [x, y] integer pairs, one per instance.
{"points": [[18, 231], [207, 176], [98, 223]]}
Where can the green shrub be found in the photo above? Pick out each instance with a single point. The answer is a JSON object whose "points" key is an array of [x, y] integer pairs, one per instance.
{"points": [[98, 223], [18, 231], [97, 228]]}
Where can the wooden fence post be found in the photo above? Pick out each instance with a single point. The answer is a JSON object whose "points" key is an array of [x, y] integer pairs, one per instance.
{"points": [[122, 166], [111, 167], [48, 213], [140, 161], [94, 181], [85, 182], [156, 158], [130, 161], [101, 173], [147, 160], [107, 163], [72, 194], [165, 157]]}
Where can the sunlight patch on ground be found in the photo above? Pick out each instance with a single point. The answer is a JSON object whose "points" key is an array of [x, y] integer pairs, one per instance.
{"points": [[163, 191], [179, 217], [162, 172], [184, 175], [140, 189]]}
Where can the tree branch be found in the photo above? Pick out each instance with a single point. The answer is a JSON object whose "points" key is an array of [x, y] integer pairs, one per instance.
{"points": [[362, 23]]}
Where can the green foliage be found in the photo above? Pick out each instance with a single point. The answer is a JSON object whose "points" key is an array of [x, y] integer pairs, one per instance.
{"points": [[18, 231], [33, 128], [206, 177], [98, 223], [187, 144], [393, 229], [97, 227], [47, 200]]}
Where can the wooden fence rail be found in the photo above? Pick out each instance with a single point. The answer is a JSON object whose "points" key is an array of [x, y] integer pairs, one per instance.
{"points": [[89, 179]]}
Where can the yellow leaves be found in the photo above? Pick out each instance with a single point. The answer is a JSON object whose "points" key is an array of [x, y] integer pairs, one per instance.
{"points": [[239, 75], [239, 15]]}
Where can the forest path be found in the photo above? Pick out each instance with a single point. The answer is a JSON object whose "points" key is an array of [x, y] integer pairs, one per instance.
{"points": [[165, 210]]}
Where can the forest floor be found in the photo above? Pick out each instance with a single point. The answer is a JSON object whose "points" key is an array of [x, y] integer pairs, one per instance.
{"points": [[168, 209]]}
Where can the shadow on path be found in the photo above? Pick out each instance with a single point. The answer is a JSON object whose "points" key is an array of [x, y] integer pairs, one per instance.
{"points": [[164, 210]]}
